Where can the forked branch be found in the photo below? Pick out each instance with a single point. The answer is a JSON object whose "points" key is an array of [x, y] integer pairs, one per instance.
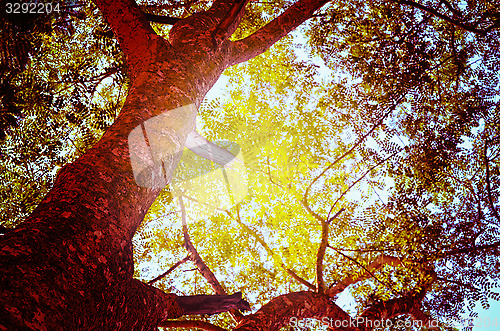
{"points": [[136, 36], [281, 310], [230, 22], [255, 44], [161, 19], [321, 252], [377, 264]]}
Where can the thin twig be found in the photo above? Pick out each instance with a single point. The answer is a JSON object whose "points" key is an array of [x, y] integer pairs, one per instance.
{"points": [[358, 180], [488, 184], [269, 251], [172, 268], [304, 199]]}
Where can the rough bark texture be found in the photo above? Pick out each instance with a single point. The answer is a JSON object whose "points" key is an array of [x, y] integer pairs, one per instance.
{"points": [[69, 265]]}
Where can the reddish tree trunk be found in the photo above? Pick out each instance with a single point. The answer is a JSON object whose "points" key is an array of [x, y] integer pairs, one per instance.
{"points": [[69, 265]]}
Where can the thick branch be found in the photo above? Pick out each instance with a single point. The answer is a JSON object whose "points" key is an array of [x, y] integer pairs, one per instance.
{"points": [[195, 257], [211, 304], [319, 257], [377, 264], [162, 19], [266, 36], [230, 22], [191, 324], [161, 306], [285, 309]]}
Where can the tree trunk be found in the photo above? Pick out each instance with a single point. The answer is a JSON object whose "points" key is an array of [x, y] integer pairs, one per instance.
{"points": [[69, 265]]}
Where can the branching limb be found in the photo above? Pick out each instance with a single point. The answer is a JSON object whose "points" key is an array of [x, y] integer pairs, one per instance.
{"points": [[266, 36], [195, 256], [229, 23], [271, 253], [136, 36], [305, 204], [321, 252], [300, 279], [377, 264]]}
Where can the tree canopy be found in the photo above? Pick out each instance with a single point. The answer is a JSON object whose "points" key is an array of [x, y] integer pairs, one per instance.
{"points": [[370, 137]]}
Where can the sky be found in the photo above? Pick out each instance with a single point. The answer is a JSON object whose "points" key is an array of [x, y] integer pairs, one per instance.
{"points": [[487, 319]]}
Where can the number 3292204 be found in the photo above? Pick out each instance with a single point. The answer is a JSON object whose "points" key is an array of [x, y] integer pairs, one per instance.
{"points": [[31, 8]]}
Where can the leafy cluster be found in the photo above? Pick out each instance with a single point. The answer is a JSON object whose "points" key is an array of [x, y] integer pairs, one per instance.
{"points": [[57, 98], [388, 118]]}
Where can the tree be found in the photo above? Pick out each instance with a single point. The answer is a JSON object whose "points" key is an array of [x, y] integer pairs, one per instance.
{"points": [[69, 264]]}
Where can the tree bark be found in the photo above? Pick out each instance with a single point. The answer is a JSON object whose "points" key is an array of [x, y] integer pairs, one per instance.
{"points": [[69, 265]]}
